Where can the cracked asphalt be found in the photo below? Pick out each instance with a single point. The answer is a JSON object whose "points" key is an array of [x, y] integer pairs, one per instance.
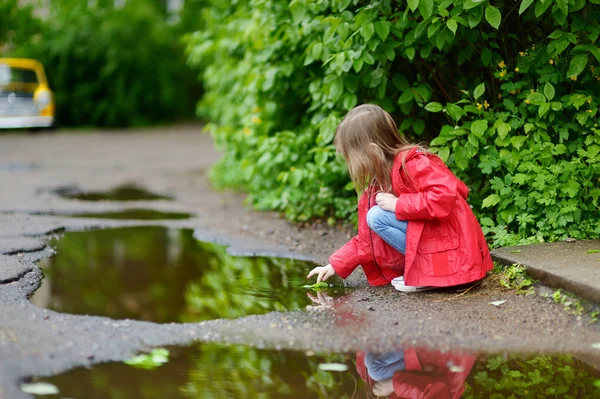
{"points": [[174, 161]]}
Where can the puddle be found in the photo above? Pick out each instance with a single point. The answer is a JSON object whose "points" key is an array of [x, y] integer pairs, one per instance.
{"points": [[129, 214], [17, 167], [127, 192], [165, 275], [218, 371]]}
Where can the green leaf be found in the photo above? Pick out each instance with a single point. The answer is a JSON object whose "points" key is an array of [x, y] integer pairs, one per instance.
{"points": [[479, 90], [503, 129], [475, 17], [413, 4], [563, 5], [444, 153], [434, 107], [452, 25], [486, 56], [541, 6], [518, 141], [549, 91], [418, 127], [406, 97], [536, 98], [543, 109], [358, 64], [321, 284], [593, 251], [383, 29], [317, 50], [577, 65], [426, 8], [410, 53], [493, 16], [479, 127], [490, 200], [455, 111], [524, 5], [367, 30]]}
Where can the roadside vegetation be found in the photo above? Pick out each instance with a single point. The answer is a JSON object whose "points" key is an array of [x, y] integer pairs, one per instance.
{"points": [[108, 66], [506, 93]]}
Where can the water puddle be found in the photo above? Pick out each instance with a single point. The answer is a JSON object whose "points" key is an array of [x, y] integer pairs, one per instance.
{"points": [[165, 275], [126, 192], [218, 371], [18, 167], [128, 214]]}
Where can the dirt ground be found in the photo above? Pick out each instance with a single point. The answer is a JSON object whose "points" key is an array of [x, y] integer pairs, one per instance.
{"points": [[175, 161]]}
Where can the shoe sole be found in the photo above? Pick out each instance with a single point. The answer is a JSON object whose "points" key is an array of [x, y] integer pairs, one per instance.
{"points": [[409, 288]]}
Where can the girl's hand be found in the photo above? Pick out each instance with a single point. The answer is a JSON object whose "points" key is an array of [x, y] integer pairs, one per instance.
{"points": [[322, 272], [386, 201]]}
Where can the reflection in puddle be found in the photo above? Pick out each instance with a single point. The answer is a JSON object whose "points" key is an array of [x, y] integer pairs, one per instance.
{"points": [[218, 371], [165, 275], [130, 214], [126, 192]]}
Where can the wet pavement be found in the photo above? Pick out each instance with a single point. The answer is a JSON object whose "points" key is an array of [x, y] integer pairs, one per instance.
{"points": [[173, 162]]}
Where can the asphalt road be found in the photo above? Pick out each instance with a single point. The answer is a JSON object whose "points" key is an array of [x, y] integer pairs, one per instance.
{"points": [[174, 161]]}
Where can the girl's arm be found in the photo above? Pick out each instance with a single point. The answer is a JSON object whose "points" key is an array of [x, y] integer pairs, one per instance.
{"points": [[436, 194], [345, 259]]}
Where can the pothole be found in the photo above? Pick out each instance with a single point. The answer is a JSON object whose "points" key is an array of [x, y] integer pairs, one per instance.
{"points": [[127, 214], [219, 371], [126, 192], [166, 275]]}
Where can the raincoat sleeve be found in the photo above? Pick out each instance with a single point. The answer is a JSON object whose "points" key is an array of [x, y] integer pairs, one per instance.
{"points": [[346, 259], [437, 191], [421, 386]]}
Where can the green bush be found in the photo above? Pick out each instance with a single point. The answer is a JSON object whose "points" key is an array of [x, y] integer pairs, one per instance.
{"points": [[507, 91], [114, 67]]}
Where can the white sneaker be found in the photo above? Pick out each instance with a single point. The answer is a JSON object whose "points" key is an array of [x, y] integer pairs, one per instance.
{"points": [[399, 284]]}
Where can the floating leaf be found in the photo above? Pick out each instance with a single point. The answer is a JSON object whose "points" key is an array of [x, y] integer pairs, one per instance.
{"points": [[39, 388], [333, 367], [596, 345], [497, 303], [322, 284], [516, 251], [593, 251]]}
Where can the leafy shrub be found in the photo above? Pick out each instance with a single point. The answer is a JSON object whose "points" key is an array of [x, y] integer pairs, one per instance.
{"points": [[114, 67], [507, 91]]}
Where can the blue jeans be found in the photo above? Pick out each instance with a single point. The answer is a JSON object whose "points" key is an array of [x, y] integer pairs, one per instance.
{"points": [[385, 225]]}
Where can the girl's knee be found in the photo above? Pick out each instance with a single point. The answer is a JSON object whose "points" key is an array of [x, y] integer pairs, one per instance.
{"points": [[374, 216]]}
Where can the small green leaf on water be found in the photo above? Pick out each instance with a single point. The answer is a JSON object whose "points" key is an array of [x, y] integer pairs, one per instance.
{"points": [[333, 367], [151, 360], [596, 345], [322, 284], [516, 251], [593, 251], [39, 388], [497, 303]]}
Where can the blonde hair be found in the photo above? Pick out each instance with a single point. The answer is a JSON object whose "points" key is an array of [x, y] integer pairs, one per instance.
{"points": [[368, 140]]}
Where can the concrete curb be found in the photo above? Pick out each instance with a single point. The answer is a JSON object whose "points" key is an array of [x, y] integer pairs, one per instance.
{"points": [[566, 265]]}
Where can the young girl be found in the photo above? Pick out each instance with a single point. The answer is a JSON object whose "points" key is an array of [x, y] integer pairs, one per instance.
{"points": [[415, 228]]}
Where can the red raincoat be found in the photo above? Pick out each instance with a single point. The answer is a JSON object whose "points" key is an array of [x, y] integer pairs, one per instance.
{"points": [[444, 242], [426, 375]]}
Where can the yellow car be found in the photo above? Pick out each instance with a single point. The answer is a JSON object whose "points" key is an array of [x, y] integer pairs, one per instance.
{"points": [[26, 101]]}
